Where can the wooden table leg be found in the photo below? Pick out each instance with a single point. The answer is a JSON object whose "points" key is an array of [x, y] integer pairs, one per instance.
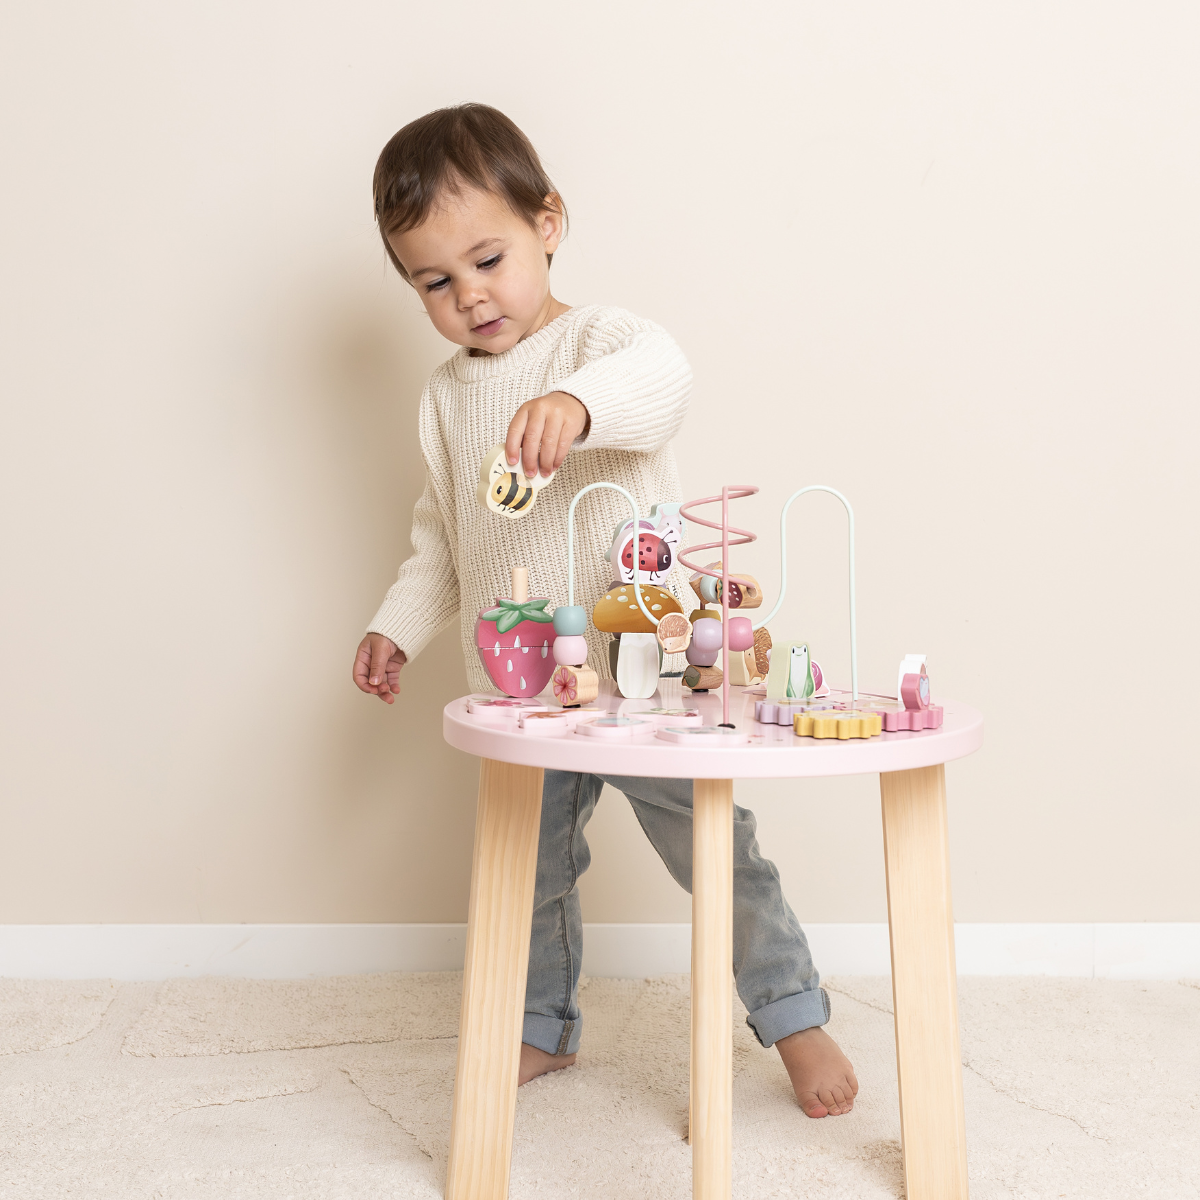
{"points": [[924, 987], [503, 872], [711, 1120]]}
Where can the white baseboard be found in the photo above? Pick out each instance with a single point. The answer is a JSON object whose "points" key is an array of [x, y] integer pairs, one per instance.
{"points": [[130, 952]]}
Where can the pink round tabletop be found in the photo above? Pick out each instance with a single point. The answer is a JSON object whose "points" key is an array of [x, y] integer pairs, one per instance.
{"points": [[771, 752]]}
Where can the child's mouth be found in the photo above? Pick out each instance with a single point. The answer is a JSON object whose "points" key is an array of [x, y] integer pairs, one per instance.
{"points": [[490, 328]]}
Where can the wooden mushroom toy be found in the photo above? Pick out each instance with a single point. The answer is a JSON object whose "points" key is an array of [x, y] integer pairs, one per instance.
{"points": [[638, 653], [617, 610]]}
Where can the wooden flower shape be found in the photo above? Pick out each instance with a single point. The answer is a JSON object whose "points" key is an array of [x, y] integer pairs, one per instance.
{"points": [[565, 683]]}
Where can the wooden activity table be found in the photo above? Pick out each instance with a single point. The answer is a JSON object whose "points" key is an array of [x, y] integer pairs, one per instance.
{"points": [[917, 866]]}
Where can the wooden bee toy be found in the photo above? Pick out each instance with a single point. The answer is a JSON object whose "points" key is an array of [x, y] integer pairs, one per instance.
{"points": [[504, 489]]}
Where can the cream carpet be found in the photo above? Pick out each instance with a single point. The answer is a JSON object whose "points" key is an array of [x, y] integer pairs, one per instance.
{"points": [[341, 1088]]}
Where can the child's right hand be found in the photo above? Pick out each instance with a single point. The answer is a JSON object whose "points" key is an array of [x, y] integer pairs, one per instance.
{"points": [[377, 667]]}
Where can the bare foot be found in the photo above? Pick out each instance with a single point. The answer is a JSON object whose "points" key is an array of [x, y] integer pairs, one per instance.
{"points": [[535, 1062], [821, 1074]]}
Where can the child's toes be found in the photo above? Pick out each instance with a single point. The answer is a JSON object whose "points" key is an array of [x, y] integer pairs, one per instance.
{"points": [[810, 1102], [825, 1095], [843, 1101]]}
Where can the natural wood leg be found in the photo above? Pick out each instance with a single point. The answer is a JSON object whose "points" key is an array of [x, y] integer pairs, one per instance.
{"points": [[924, 988], [711, 1120], [503, 872]]}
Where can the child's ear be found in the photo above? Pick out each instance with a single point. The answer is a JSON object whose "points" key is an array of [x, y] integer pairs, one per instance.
{"points": [[551, 224]]}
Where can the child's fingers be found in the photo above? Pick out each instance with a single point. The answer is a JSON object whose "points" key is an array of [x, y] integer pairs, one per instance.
{"points": [[381, 652], [531, 444], [551, 436], [516, 432], [362, 667], [566, 439]]}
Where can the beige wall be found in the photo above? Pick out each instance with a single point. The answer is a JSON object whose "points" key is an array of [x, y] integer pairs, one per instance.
{"points": [[943, 259]]}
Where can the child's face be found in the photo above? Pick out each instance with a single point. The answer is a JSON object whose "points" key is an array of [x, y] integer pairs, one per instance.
{"points": [[481, 270]]}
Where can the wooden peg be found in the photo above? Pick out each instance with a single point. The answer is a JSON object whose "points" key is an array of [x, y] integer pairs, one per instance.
{"points": [[520, 584]]}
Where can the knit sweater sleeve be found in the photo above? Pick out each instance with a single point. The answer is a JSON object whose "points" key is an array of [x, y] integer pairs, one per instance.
{"points": [[633, 380], [425, 597]]}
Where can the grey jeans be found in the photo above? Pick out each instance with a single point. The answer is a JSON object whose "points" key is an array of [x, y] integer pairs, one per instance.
{"points": [[772, 965]]}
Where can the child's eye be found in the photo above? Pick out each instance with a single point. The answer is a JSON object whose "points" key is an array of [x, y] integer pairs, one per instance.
{"points": [[437, 284], [490, 262]]}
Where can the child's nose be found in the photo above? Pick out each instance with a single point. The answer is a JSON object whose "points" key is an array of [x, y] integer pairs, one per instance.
{"points": [[470, 296]]}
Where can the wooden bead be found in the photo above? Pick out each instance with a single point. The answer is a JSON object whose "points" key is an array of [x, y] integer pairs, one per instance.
{"points": [[702, 679], [707, 635], [570, 651], [570, 620], [741, 633], [744, 590], [574, 686]]}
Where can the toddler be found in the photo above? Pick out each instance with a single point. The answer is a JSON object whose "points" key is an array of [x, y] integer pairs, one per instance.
{"points": [[471, 221]]}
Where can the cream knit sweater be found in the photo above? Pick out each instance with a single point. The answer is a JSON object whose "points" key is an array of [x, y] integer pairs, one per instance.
{"points": [[634, 381]]}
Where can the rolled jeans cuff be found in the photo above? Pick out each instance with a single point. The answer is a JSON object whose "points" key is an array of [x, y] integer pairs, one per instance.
{"points": [[783, 1017], [551, 1034]]}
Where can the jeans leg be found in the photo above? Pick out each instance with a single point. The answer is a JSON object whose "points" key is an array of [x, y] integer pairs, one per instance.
{"points": [[772, 964], [552, 1018]]}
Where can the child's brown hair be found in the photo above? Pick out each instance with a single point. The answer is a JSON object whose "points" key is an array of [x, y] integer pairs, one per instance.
{"points": [[469, 145]]}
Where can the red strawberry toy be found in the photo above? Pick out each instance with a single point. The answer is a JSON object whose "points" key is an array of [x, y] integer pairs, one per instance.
{"points": [[515, 641]]}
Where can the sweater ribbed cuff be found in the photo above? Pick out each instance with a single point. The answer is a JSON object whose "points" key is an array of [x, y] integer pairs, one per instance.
{"points": [[410, 629]]}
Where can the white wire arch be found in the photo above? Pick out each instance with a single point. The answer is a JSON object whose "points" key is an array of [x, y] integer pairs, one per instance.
{"points": [[637, 587], [783, 579]]}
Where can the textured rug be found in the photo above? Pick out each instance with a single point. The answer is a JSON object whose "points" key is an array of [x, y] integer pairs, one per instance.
{"points": [[341, 1088]]}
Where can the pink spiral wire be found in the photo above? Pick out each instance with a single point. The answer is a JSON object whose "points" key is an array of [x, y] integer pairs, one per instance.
{"points": [[730, 536]]}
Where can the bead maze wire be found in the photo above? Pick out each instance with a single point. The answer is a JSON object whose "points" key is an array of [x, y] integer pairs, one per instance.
{"points": [[730, 536], [637, 588], [740, 538], [783, 579]]}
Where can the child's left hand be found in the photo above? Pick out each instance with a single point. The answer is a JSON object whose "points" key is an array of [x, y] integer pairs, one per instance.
{"points": [[542, 432]]}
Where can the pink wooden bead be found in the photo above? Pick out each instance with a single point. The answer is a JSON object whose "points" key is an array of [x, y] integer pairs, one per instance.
{"points": [[741, 633], [706, 635], [700, 657], [570, 651]]}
